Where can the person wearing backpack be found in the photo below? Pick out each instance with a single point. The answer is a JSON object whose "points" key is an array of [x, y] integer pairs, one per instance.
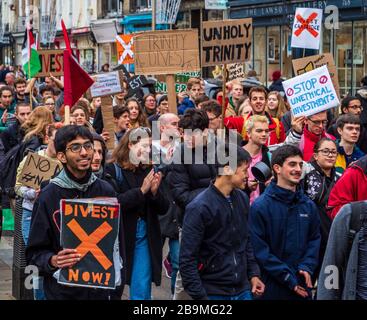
{"points": [[258, 100], [138, 187], [35, 128], [343, 273]]}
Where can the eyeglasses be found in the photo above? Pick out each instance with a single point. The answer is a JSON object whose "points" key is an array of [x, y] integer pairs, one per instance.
{"points": [[327, 152], [355, 107], [319, 122], [77, 148]]}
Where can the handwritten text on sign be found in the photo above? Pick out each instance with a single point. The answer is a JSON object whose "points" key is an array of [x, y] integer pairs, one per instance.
{"points": [[106, 84], [52, 61], [38, 169], [90, 226], [226, 41], [311, 93], [167, 52]]}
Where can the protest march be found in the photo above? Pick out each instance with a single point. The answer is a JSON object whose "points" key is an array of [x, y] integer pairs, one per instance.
{"points": [[178, 168]]}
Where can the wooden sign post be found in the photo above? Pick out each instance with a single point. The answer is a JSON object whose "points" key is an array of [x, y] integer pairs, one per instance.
{"points": [[167, 52]]}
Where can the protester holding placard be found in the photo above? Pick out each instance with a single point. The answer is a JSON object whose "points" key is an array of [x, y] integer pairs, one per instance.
{"points": [[74, 148], [141, 201], [306, 132], [258, 99]]}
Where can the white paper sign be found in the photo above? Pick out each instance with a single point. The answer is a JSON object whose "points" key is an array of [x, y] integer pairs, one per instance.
{"points": [[311, 93], [216, 4], [106, 84], [307, 27]]}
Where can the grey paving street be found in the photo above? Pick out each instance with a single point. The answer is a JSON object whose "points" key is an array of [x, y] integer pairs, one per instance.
{"points": [[6, 261]]}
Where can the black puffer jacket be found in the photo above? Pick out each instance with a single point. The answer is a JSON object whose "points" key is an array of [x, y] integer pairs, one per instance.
{"points": [[189, 180], [317, 187]]}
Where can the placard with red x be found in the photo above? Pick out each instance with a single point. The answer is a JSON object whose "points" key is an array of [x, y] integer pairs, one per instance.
{"points": [[307, 28]]}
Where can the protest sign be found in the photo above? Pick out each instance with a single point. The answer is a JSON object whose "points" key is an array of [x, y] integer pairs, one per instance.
{"points": [[106, 84], [125, 48], [38, 169], [227, 41], [311, 93], [52, 61], [303, 65], [307, 27], [91, 226], [108, 124], [236, 71], [166, 52]]}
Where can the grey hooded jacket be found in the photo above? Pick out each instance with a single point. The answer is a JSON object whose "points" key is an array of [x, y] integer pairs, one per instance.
{"points": [[330, 281]]}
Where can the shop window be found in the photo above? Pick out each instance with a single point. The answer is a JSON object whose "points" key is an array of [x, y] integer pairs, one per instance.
{"points": [[183, 20], [343, 57], [273, 51], [359, 53], [286, 63]]}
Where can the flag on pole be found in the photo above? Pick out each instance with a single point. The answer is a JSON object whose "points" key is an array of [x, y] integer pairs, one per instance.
{"points": [[76, 80], [30, 57]]}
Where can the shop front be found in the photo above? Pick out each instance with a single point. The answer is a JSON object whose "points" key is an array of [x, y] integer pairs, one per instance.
{"points": [[272, 51]]}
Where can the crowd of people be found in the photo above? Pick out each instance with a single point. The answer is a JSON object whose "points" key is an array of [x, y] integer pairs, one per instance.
{"points": [[231, 234]]}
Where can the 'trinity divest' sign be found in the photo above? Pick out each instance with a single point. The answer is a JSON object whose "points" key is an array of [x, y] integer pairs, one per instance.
{"points": [[166, 52], [227, 41], [91, 226], [307, 27], [311, 92]]}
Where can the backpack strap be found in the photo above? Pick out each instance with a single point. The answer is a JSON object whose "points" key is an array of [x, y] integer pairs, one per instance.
{"points": [[359, 214]]}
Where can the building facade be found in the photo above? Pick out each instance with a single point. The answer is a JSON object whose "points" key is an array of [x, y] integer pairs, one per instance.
{"points": [[273, 22]]}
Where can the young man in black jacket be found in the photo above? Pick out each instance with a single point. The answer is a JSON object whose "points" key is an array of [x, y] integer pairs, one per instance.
{"points": [[216, 256], [74, 147]]}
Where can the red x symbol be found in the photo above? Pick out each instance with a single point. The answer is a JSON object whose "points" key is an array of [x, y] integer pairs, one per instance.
{"points": [[89, 242], [306, 25]]}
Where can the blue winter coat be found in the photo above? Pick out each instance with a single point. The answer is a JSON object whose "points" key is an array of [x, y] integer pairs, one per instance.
{"points": [[216, 256], [186, 104], [285, 234]]}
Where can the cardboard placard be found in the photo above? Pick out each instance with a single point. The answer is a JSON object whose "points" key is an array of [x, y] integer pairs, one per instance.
{"points": [[91, 226], [166, 52], [38, 169], [311, 93], [226, 42], [106, 84], [236, 71], [108, 124], [52, 61], [303, 65], [307, 28]]}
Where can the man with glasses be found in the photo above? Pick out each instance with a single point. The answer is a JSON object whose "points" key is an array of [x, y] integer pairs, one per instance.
{"points": [[352, 105], [74, 149], [349, 128], [307, 131], [214, 112]]}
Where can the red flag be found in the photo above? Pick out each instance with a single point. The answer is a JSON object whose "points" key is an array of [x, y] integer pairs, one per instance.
{"points": [[76, 80], [66, 37]]}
